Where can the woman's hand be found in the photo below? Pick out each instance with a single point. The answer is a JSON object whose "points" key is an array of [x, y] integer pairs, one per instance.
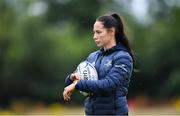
{"points": [[74, 76], [68, 90]]}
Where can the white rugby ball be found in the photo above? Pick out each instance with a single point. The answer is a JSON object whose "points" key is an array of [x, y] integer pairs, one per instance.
{"points": [[87, 71]]}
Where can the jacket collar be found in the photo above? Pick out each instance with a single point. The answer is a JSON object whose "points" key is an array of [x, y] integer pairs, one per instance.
{"points": [[117, 47]]}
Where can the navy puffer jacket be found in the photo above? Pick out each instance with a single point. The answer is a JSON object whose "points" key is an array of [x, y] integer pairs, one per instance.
{"points": [[114, 67]]}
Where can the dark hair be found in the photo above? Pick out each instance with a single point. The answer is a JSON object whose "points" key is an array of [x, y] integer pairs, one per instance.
{"points": [[114, 20]]}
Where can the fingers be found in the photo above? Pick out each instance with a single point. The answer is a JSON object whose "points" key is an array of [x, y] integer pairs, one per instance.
{"points": [[66, 95], [68, 90], [74, 76], [77, 76]]}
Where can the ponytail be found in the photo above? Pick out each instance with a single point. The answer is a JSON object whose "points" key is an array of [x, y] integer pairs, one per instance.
{"points": [[121, 36], [115, 21]]}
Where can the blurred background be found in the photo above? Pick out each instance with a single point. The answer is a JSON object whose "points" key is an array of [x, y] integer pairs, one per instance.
{"points": [[42, 41]]}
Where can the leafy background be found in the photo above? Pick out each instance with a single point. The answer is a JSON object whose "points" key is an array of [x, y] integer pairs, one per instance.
{"points": [[42, 41]]}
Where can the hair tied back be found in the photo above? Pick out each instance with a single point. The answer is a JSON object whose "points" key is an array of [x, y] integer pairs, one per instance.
{"points": [[116, 17]]}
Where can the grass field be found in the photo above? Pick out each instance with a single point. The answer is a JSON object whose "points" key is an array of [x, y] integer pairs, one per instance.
{"points": [[135, 109], [78, 110]]}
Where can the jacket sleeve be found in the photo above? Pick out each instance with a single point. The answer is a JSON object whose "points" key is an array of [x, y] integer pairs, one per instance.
{"points": [[118, 75], [68, 81]]}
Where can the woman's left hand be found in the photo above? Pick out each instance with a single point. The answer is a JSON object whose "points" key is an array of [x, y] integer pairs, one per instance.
{"points": [[68, 91]]}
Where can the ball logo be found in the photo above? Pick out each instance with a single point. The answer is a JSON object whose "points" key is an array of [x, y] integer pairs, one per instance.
{"points": [[87, 71], [85, 74]]}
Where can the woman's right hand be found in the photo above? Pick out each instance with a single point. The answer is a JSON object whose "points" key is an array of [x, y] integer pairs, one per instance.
{"points": [[75, 76]]}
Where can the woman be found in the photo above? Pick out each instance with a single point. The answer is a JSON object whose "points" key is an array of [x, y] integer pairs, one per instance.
{"points": [[114, 63]]}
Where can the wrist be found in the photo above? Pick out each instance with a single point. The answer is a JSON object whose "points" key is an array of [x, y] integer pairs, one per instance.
{"points": [[75, 82]]}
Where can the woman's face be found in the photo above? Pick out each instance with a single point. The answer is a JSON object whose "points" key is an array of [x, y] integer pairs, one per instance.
{"points": [[102, 36]]}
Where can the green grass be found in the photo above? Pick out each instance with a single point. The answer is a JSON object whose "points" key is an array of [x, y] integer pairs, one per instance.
{"points": [[138, 108]]}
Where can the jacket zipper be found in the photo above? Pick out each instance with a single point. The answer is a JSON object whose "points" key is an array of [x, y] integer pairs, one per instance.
{"points": [[99, 61]]}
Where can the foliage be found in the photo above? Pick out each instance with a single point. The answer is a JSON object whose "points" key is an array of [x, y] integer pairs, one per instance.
{"points": [[38, 51], [158, 59]]}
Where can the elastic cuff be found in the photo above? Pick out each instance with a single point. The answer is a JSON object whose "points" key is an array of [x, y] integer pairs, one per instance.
{"points": [[78, 85]]}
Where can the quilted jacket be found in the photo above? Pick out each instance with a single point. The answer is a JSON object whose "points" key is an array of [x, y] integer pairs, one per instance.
{"points": [[114, 67]]}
